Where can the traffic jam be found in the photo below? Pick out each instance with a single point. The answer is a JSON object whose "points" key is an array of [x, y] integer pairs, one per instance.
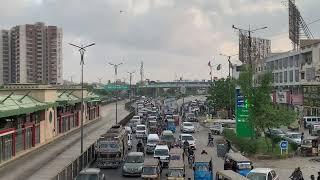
{"points": [[159, 142]]}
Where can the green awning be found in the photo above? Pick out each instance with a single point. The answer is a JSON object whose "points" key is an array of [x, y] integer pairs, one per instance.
{"points": [[67, 99], [20, 104]]}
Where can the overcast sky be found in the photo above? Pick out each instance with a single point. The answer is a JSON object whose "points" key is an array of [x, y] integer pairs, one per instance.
{"points": [[174, 38]]}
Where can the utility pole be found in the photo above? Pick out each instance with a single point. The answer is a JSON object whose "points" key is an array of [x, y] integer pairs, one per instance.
{"points": [[250, 40], [229, 61], [130, 79], [115, 66], [82, 50]]}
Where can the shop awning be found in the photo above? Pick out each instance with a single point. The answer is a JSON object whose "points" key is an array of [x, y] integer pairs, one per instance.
{"points": [[67, 98], [13, 105]]}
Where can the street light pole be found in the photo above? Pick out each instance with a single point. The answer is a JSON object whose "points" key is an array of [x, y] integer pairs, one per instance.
{"points": [[229, 76], [249, 36], [130, 74], [115, 66], [82, 50]]}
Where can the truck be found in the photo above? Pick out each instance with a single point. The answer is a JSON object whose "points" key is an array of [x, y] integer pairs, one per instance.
{"points": [[112, 147]]}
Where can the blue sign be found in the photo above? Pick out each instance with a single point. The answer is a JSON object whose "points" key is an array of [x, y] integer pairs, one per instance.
{"points": [[284, 144]]}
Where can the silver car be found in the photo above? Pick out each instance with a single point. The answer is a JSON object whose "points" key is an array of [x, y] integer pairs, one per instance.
{"points": [[133, 164]]}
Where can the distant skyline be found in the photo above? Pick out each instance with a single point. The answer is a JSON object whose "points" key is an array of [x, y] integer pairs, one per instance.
{"points": [[174, 38]]}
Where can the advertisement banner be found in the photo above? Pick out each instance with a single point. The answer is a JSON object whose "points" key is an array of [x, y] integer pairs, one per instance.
{"points": [[281, 97], [243, 127]]}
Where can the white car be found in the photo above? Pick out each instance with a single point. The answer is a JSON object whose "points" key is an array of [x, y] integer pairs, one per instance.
{"points": [[161, 152], [189, 138], [187, 127], [141, 131], [262, 174], [294, 137]]}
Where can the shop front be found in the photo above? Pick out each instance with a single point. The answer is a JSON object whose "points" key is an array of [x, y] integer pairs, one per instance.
{"points": [[311, 100]]}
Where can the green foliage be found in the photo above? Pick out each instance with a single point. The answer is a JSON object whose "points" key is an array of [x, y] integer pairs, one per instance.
{"points": [[221, 94], [262, 113], [245, 145]]}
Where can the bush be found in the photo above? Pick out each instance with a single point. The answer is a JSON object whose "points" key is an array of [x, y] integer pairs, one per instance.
{"points": [[246, 145]]}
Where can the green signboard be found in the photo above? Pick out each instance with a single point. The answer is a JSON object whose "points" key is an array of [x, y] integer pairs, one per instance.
{"points": [[116, 87], [244, 128]]}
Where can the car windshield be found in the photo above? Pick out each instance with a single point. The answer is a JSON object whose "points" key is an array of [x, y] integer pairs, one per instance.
{"points": [[152, 123], [191, 115], [108, 145], [295, 136], [134, 159], [141, 128], [149, 170], [187, 124], [167, 137], [188, 138], [153, 141], [136, 117], [256, 176], [87, 177], [245, 165], [161, 152], [175, 173]]}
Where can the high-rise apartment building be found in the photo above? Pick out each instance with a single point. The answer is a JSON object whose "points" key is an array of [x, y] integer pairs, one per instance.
{"points": [[35, 54], [4, 57]]}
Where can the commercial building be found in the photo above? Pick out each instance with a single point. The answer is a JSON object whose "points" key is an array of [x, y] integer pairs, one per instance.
{"points": [[31, 115], [35, 54], [296, 76]]}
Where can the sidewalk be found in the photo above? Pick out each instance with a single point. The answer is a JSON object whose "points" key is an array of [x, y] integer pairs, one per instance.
{"points": [[46, 162]]}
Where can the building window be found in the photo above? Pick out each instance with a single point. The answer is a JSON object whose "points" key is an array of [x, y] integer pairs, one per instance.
{"points": [[276, 77], [276, 64], [285, 76], [296, 75], [291, 61], [291, 76], [302, 75], [271, 65], [280, 77], [280, 63], [296, 61]]}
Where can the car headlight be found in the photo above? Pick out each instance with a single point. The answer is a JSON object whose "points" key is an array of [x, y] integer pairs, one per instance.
{"points": [[124, 168], [140, 168]]}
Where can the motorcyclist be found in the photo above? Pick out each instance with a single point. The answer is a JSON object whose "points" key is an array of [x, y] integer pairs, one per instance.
{"points": [[140, 146], [210, 139], [185, 146], [190, 155], [297, 174]]}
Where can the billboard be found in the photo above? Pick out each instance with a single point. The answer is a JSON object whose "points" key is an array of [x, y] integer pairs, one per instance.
{"points": [[260, 48], [294, 22]]}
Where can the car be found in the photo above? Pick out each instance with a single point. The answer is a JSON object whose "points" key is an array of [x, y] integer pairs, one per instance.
{"points": [[190, 117], [152, 141], [189, 138], [161, 152], [90, 173], [133, 164], [133, 124], [187, 127], [128, 129], [276, 132], [141, 131], [294, 137], [262, 174]]}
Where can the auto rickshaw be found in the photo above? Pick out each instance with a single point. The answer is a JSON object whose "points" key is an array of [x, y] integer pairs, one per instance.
{"points": [[171, 125], [202, 166], [310, 146], [176, 119], [176, 154], [229, 175], [176, 170], [237, 163], [151, 169]]}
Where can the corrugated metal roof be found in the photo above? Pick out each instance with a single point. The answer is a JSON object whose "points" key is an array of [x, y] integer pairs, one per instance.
{"points": [[18, 104]]}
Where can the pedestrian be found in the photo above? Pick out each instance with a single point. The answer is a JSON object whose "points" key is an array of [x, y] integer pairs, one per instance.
{"points": [[318, 178], [228, 146], [312, 177], [302, 136]]}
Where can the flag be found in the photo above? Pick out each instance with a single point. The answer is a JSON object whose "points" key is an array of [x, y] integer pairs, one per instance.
{"points": [[219, 67], [209, 63]]}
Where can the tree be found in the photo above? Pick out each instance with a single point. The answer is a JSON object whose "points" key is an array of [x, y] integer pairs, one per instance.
{"points": [[221, 94], [263, 115]]}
